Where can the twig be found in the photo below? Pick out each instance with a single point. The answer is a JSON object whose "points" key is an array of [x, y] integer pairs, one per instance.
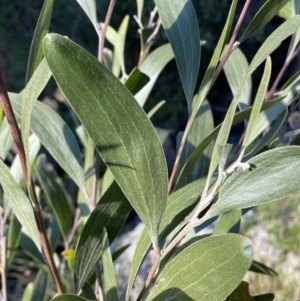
{"points": [[232, 43], [231, 46], [6, 104]]}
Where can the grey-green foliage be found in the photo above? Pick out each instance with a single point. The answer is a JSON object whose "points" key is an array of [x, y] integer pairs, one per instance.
{"points": [[209, 181]]}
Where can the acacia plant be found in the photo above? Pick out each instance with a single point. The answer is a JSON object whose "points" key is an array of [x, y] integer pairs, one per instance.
{"points": [[211, 181]]}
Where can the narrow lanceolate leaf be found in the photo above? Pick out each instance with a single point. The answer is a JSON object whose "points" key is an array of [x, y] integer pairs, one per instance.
{"points": [[274, 174], [55, 196], [258, 267], [240, 116], [179, 205], [181, 27], [152, 66], [204, 121], [39, 286], [56, 136], [111, 213], [42, 28], [6, 139], [136, 81], [260, 96], [236, 68], [89, 7], [274, 40], [13, 239], [263, 16], [209, 269], [19, 203], [140, 6], [208, 76], [228, 222], [68, 297], [109, 277], [32, 91], [118, 126]]}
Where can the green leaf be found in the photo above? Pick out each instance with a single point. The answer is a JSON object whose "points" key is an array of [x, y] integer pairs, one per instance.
{"points": [[209, 269], [208, 76], [263, 16], [27, 292], [19, 203], [89, 7], [13, 239], [136, 81], [140, 6], [264, 297], [179, 204], [56, 136], [39, 286], [110, 212], [6, 139], [118, 126], [42, 28], [240, 116], [16, 169], [235, 69], [109, 277], [259, 99], [204, 121], [274, 40], [32, 91], [228, 222], [155, 109], [55, 196], [152, 66], [287, 11], [68, 297], [252, 150], [181, 27], [274, 174], [260, 268]]}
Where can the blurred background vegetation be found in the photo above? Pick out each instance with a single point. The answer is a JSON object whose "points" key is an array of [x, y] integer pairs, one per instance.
{"points": [[17, 24]]}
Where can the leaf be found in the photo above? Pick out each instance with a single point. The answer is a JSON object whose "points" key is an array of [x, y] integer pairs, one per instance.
{"points": [[228, 222], [136, 81], [32, 91], [109, 277], [110, 212], [27, 292], [42, 28], [274, 174], [6, 139], [207, 270], [13, 239], [118, 126], [264, 297], [204, 121], [252, 150], [235, 69], [140, 6], [240, 116], [208, 76], [68, 297], [181, 27], [287, 11], [89, 7], [56, 136], [179, 204], [155, 108], [39, 286], [259, 99], [258, 267], [152, 66], [15, 168], [274, 40], [269, 9], [241, 293], [55, 196], [19, 203]]}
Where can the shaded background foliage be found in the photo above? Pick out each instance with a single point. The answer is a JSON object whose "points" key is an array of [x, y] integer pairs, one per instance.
{"points": [[18, 20]]}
